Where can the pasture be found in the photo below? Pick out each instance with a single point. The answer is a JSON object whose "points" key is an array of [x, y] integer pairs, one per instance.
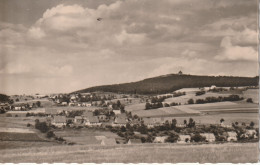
{"points": [[85, 136], [142, 153]]}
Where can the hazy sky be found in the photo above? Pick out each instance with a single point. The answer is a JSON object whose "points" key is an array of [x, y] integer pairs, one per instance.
{"points": [[49, 46]]}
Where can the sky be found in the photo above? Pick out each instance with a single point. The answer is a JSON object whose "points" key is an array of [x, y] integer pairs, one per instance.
{"points": [[49, 46]]}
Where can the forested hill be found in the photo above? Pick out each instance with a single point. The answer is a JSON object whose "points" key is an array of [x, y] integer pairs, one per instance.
{"points": [[172, 82]]}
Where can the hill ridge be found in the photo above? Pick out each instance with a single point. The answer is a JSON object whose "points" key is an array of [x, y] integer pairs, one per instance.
{"points": [[171, 82]]}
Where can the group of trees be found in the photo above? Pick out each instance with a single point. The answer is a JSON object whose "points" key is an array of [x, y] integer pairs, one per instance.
{"points": [[153, 105], [215, 99], [177, 94], [167, 84], [118, 106], [42, 126], [198, 93]]}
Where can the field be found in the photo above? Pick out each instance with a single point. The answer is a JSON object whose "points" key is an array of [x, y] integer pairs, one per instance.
{"points": [[143, 153], [251, 93], [84, 135], [14, 133]]}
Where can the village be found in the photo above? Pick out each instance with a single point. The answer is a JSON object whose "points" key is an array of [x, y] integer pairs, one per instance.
{"points": [[109, 112]]}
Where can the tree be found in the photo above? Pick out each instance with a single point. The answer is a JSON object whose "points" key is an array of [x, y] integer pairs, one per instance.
{"points": [[166, 105], [38, 103], [17, 100], [185, 122], [198, 138], [147, 105], [190, 101], [50, 134], [249, 100], [236, 123], [222, 120], [252, 124], [191, 123], [174, 123]]}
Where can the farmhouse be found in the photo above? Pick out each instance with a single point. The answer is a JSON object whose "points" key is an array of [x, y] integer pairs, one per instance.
{"points": [[134, 141], [102, 117], [183, 139], [59, 121], [160, 139], [119, 122], [78, 120], [117, 112], [232, 136], [87, 114], [148, 122], [92, 121], [209, 137], [106, 141], [251, 133], [64, 103]]}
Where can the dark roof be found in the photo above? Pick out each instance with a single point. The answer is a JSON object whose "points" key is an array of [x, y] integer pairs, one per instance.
{"points": [[120, 121], [88, 113], [93, 119]]}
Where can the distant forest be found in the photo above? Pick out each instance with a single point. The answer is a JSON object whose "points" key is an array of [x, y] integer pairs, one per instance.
{"points": [[172, 82]]}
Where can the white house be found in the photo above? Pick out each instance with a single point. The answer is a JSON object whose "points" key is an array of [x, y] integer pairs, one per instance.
{"points": [[59, 121], [209, 137], [92, 121], [119, 122], [232, 136], [64, 103], [184, 139], [160, 139]]}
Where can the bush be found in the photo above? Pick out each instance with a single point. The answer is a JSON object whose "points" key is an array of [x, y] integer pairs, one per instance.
{"points": [[190, 101], [249, 100], [200, 93], [50, 134], [28, 124], [42, 126], [198, 138]]}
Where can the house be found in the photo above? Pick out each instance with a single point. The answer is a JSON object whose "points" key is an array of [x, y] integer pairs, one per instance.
{"points": [[209, 137], [78, 120], [106, 141], [102, 117], [134, 141], [87, 114], [117, 112], [17, 108], [148, 122], [231, 136], [213, 87], [72, 104], [184, 139], [92, 121], [119, 122], [59, 121], [251, 133], [64, 103], [160, 139]]}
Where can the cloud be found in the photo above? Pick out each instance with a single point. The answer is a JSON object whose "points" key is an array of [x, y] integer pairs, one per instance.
{"points": [[136, 39], [230, 52]]}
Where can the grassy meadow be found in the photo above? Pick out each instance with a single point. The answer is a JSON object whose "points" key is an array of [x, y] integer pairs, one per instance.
{"points": [[144, 153]]}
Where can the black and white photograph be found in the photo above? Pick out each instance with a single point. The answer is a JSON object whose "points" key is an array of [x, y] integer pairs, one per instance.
{"points": [[129, 81]]}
